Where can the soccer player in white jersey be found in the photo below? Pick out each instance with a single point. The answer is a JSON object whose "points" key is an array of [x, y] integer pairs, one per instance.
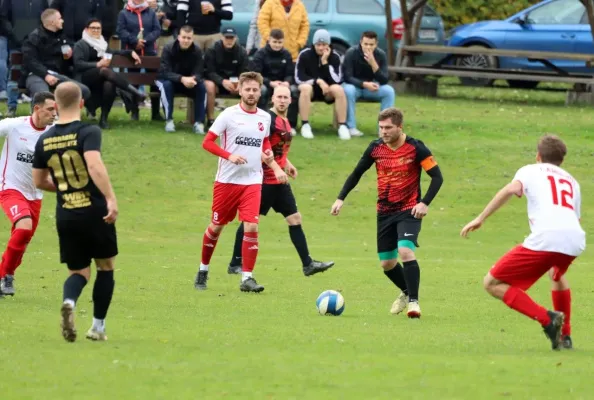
{"points": [[556, 239], [20, 200], [243, 132]]}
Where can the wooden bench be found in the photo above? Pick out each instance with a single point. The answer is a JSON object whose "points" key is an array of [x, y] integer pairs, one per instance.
{"points": [[440, 68]]}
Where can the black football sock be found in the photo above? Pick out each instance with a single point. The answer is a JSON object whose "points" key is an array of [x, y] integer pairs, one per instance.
{"points": [[102, 293], [300, 243], [236, 258], [304, 122], [396, 275], [412, 276], [73, 287]]}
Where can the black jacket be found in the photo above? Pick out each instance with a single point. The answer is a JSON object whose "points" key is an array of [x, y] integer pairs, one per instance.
{"points": [[42, 52], [76, 13], [169, 7], [109, 19], [84, 57], [18, 18], [309, 68], [273, 65], [177, 63], [356, 70], [190, 12], [223, 64]]}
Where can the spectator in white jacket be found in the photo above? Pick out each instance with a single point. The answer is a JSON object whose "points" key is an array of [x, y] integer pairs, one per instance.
{"points": [[254, 38]]}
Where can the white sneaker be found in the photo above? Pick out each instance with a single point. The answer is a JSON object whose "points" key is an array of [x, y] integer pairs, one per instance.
{"points": [[293, 132], [414, 310], [355, 132], [343, 133], [198, 128], [399, 304], [306, 132], [169, 126], [93, 334]]}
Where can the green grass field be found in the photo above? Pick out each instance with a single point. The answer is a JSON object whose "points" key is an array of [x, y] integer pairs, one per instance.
{"points": [[168, 341]]}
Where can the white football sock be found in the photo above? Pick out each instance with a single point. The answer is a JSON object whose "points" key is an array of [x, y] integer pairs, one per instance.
{"points": [[245, 276], [98, 325], [71, 302], [203, 267]]}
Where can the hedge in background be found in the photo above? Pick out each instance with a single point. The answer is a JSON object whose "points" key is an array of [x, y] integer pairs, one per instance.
{"points": [[458, 12]]}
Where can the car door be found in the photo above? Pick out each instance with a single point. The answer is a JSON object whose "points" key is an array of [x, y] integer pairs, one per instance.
{"points": [[353, 17], [318, 13], [550, 27], [584, 43]]}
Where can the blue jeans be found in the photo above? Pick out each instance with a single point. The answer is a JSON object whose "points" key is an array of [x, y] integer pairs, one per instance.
{"points": [[385, 95], [168, 90], [3, 62]]}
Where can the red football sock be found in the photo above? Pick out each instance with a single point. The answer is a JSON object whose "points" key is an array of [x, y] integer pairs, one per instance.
{"points": [[249, 251], [209, 242], [518, 300], [13, 255], [562, 302]]}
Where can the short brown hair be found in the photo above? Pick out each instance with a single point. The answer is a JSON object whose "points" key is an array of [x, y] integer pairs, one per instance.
{"points": [[369, 35], [187, 29], [48, 14], [551, 149], [68, 95], [277, 34], [393, 114], [251, 76]]}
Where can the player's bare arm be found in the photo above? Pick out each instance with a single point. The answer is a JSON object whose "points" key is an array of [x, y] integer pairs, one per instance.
{"points": [[100, 177], [209, 144], [502, 197], [43, 180], [421, 209]]}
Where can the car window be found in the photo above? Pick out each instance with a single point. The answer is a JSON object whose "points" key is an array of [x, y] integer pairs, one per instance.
{"points": [[244, 6], [428, 11], [359, 7], [316, 6], [559, 12]]}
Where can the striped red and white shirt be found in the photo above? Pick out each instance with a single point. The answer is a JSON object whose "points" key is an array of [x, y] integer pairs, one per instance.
{"points": [[16, 162]]}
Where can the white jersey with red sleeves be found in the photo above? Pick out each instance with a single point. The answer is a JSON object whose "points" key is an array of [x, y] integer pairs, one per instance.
{"points": [[241, 133], [554, 201], [17, 156]]}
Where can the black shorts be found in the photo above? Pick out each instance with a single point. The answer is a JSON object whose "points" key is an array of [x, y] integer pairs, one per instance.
{"points": [[319, 96], [393, 228], [81, 241], [278, 197]]}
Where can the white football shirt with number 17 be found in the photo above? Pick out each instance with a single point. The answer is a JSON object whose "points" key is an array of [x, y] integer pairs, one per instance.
{"points": [[241, 133], [554, 202]]}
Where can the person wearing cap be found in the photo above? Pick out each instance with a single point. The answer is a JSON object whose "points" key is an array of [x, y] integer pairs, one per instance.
{"points": [[181, 72], [205, 17], [365, 70], [275, 64], [290, 16], [318, 74], [224, 62]]}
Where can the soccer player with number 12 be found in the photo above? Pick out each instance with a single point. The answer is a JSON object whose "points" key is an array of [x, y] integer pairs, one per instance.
{"points": [[556, 239]]}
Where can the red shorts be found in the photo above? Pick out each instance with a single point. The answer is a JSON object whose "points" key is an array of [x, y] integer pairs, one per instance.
{"points": [[17, 207], [228, 198], [521, 267]]}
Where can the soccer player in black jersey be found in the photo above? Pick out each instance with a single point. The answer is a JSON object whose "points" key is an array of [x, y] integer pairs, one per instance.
{"points": [[86, 208], [399, 160]]}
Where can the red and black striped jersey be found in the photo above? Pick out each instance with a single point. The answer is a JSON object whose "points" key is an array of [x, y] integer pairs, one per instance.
{"points": [[280, 141]]}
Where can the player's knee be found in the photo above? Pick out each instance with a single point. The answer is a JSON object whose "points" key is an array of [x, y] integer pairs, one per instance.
{"points": [[105, 264], [75, 268], [216, 228], [388, 264], [489, 283], [406, 254], [24, 223], [250, 227], [294, 219]]}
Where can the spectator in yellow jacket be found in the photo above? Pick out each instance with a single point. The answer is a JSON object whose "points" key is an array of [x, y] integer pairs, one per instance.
{"points": [[290, 16]]}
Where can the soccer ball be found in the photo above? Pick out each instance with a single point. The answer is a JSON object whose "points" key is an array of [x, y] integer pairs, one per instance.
{"points": [[330, 302]]}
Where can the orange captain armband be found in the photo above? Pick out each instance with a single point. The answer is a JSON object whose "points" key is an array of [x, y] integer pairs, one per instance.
{"points": [[428, 163]]}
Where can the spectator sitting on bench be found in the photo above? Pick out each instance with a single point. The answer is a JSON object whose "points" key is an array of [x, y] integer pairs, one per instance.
{"points": [[47, 56], [317, 72], [224, 62], [182, 71], [138, 30], [365, 72], [92, 58], [275, 64]]}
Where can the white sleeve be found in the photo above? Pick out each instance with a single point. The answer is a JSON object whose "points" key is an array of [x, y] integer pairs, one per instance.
{"points": [[268, 127], [7, 124], [523, 176], [219, 125], [578, 201]]}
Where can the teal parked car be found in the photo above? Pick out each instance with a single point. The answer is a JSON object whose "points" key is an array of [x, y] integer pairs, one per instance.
{"points": [[346, 20]]}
